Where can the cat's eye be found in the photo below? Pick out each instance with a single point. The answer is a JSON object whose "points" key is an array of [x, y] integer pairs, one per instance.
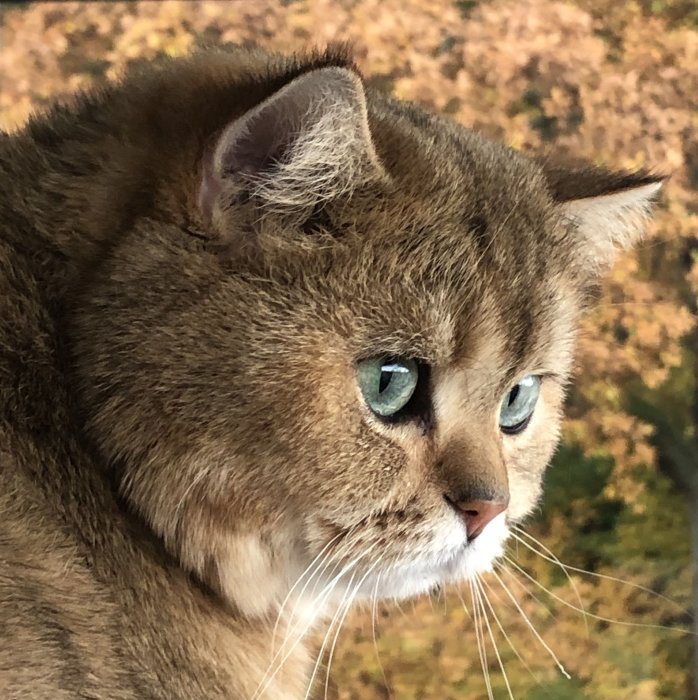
{"points": [[387, 383], [518, 405]]}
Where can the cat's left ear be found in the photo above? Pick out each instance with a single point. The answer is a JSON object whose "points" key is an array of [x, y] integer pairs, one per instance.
{"points": [[306, 144], [607, 211]]}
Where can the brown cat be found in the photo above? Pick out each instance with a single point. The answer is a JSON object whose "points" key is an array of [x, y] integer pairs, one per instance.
{"points": [[270, 343]]}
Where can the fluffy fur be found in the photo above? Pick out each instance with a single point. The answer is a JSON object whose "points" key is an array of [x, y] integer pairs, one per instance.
{"points": [[191, 264]]}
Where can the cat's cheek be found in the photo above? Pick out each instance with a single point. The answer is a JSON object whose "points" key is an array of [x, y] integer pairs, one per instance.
{"points": [[526, 460], [528, 454]]}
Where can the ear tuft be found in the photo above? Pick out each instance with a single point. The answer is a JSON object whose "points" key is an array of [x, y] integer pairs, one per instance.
{"points": [[307, 143], [607, 210]]}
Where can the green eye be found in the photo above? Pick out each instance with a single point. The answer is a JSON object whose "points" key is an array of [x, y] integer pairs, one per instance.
{"points": [[387, 384], [517, 407]]}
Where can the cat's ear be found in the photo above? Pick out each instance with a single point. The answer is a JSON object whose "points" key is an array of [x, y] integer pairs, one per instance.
{"points": [[307, 143], [607, 211]]}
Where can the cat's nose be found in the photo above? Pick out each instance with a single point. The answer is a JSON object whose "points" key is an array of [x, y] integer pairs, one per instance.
{"points": [[477, 514]]}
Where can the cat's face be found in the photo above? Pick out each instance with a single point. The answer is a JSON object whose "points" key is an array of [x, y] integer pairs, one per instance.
{"points": [[360, 374], [413, 364]]}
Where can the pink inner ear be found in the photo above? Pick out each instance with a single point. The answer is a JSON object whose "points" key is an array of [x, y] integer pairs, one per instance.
{"points": [[209, 189]]}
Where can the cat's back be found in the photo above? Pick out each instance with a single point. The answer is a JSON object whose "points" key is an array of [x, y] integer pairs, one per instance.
{"points": [[57, 625], [61, 627], [84, 613]]}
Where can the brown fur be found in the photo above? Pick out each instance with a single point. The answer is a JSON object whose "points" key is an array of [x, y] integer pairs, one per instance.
{"points": [[181, 431]]}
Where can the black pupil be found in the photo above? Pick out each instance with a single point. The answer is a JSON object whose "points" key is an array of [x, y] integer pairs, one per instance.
{"points": [[513, 394], [384, 381]]}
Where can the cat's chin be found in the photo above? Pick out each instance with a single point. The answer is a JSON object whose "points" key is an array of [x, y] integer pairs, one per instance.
{"points": [[454, 562], [450, 560]]}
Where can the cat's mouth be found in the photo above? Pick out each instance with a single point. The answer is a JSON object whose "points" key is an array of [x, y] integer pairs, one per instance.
{"points": [[448, 558]]}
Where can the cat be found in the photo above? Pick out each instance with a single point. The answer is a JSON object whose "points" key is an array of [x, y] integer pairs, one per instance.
{"points": [[271, 342]]}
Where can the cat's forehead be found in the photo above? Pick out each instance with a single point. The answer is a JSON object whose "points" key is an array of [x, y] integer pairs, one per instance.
{"points": [[460, 249], [459, 200], [436, 161], [460, 280], [455, 260]]}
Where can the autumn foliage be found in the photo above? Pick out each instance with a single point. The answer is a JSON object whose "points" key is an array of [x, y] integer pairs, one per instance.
{"points": [[614, 83]]}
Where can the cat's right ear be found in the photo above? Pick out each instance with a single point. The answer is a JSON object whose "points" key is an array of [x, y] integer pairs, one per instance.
{"points": [[306, 144], [602, 211]]}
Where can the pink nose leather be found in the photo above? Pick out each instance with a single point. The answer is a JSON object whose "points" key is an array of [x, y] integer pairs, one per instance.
{"points": [[477, 514]]}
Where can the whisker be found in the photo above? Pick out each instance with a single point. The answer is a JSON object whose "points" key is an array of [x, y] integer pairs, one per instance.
{"points": [[341, 622], [319, 601], [481, 644], [343, 548], [396, 603], [444, 598], [531, 626], [326, 638], [527, 591], [275, 667], [593, 615], [194, 482], [295, 585], [504, 634], [556, 561], [504, 602], [479, 593], [595, 574], [465, 607], [429, 598], [319, 572]]}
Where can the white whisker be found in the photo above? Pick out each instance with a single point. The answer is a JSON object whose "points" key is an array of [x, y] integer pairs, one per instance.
{"points": [[319, 601], [553, 558], [480, 594], [481, 644], [326, 638], [203, 473], [595, 574], [527, 591], [531, 627], [373, 631], [593, 615], [295, 585], [341, 622], [504, 634]]}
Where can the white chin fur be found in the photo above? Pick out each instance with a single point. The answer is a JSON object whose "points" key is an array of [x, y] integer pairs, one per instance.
{"points": [[483, 552], [451, 561]]}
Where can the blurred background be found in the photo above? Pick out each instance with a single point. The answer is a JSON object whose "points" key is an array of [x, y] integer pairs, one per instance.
{"points": [[615, 83]]}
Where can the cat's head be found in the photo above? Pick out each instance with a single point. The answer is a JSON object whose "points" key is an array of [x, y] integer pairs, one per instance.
{"points": [[339, 340]]}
